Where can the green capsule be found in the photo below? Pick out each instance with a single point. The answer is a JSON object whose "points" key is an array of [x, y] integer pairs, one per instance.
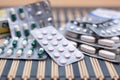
{"points": [[21, 10], [27, 32], [40, 52], [1, 50], [18, 33], [15, 42], [13, 17], [8, 38], [34, 43], [33, 25]]}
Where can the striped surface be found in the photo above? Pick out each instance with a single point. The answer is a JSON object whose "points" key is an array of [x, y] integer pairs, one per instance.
{"points": [[89, 68]]}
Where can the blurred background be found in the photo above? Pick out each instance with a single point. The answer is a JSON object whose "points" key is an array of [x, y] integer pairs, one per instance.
{"points": [[66, 3]]}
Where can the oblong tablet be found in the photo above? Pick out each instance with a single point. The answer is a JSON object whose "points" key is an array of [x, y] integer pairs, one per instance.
{"points": [[106, 42], [115, 39], [107, 54], [87, 38], [88, 49]]}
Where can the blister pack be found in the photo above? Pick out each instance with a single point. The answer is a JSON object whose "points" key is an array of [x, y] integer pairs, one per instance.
{"points": [[107, 43], [74, 27], [22, 19], [109, 55], [55, 44], [22, 48]]}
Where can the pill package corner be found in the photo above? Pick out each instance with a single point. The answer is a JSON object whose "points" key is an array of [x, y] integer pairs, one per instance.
{"points": [[57, 46]]}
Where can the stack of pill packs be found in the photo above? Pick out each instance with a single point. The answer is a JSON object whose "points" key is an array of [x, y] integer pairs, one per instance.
{"points": [[97, 35], [33, 36], [19, 21]]}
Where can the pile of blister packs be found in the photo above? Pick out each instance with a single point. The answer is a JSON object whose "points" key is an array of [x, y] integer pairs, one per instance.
{"points": [[98, 36], [33, 36]]}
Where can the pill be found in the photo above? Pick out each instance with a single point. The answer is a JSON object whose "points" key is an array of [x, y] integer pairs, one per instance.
{"points": [[39, 13], [33, 25], [84, 30], [26, 30], [13, 15], [107, 54], [72, 27], [61, 49], [1, 50], [75, 23], [34, 43], [51, 48], [59, 38], [55, 43], [103, 32], [54, 33], [87, 38], [118, 29], [67, 55], [21, 13], [25, 42], [94, 25], [106, 42], [49, 19], [113, 30], [30, 52], [10, 51], [15, 42], [78, 29], [49, 37], [73, 43], [78, 55], [45, 42], [44, 32], [40, 52], [65, 43], [17, 31], [115, 39], [6, 42], [72, 49], [40, 37], [56, 55], [108, 31], [71, 34], [19, 52], [63, 61], [88, 49]]}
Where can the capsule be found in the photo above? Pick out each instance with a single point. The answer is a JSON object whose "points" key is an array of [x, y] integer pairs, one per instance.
{"points": [[10, 51], [26, 30], [6, 42], [30, 52], [17, 31], [33, 26], [34, 43], [13, 15], [19, 52], [25, 42], [40, 52], [15, 42], [1, 50], [21, 13]]}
